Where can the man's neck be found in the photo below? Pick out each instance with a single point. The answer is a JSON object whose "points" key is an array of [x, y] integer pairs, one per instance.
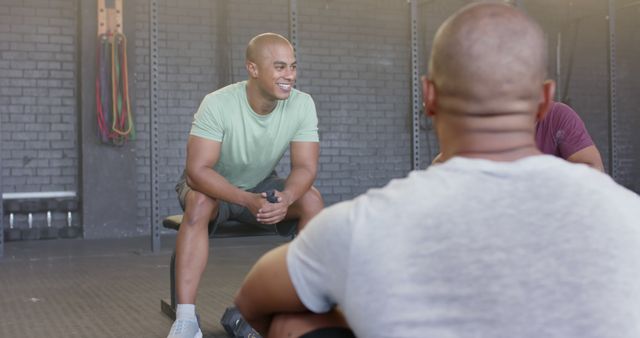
{"points": [[503, 148], [501, 137], [257, 101]]}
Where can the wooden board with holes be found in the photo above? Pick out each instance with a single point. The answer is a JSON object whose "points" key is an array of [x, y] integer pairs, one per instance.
{"points": [[109, 18]]}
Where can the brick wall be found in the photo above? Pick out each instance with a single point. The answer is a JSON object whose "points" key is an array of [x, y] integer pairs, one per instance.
{"points": [[37, 97], [355, 61], [248, 18]]}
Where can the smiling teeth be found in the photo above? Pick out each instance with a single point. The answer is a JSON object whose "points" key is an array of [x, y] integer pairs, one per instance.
{"points": [[284, 86]]}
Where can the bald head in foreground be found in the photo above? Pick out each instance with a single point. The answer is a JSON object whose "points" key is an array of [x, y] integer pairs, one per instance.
{"points": [[487, 83], [497, 241]]}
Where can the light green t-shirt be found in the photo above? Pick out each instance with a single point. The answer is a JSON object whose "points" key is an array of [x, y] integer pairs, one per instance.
{"points": [[253, 144]]}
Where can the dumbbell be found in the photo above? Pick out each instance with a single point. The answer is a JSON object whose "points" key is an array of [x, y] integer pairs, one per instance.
{"points": [[236, 326], [12, 234], [49, 232], [271, 196], [31, 233], [69, 231]]}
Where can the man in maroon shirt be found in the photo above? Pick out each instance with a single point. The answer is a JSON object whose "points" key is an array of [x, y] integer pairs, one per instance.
{"points": [[562, 133]]}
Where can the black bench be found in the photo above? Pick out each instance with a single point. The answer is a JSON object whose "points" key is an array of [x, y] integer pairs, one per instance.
{"points": [[227, 229]]}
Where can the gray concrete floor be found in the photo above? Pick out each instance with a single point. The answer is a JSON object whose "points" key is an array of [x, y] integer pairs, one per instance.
{"points": [[112, 288]]}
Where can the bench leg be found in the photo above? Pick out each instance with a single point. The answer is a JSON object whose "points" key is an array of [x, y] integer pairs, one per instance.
{"points": [[169, 307]]}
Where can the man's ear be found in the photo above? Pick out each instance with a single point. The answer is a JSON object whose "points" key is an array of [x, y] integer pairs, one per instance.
{"points": [[548, 90], [428, 97], [252, 69]]}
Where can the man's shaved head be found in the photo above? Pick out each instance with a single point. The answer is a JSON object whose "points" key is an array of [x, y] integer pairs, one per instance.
{"points": [[487, 83], [486, 57], [258, 45], [271, 66]]}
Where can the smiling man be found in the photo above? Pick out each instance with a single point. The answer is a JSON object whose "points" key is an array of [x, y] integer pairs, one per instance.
{"points": [[238, 136]]}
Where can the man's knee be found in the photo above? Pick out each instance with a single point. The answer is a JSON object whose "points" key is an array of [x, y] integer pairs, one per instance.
{"points": [[199, 209], [311, 201], [306, 207]]}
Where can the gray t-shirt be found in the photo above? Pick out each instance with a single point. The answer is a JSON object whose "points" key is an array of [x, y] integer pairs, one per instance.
{"points": [[473, 248]]}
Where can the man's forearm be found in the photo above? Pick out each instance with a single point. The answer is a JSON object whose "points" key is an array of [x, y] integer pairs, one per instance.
{"points": [[304, 166], [299, 181]]}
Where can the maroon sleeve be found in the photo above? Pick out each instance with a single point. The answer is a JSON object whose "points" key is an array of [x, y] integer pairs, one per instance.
{"points": [[570, 132]]}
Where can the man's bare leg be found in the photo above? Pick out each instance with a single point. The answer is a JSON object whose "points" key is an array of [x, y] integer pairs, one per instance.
{"points": [[192, 245], [192, 252]]}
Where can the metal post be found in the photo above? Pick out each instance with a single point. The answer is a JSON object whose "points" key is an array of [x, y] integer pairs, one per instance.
{"points": [[613, 118], [1, 202], [415, 85], [558, 66], [153, 125], [293, 26]]}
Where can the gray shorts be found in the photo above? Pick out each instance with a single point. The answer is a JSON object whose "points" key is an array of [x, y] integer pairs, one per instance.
{"points": [[230, 211]]}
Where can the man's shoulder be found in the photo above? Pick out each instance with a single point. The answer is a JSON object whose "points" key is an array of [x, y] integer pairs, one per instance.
{"points": [[297, 96], [414, 184], [590, 181], [561, 112], [227, 92]]}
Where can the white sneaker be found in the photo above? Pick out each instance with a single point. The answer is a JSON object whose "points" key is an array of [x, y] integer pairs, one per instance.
{"points": [[184, 328]]}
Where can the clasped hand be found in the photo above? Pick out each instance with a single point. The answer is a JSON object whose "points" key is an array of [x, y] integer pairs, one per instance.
{"points": [[270, 213]]}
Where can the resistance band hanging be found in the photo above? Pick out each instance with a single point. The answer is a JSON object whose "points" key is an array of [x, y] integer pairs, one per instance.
{"points": [[113, 107]]}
